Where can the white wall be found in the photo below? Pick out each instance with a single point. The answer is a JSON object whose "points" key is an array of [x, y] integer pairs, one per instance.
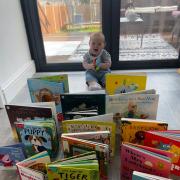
{"points": [[15, 56]]}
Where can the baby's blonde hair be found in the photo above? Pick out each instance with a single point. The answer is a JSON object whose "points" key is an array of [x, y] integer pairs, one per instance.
{"points": [[98, 36]]}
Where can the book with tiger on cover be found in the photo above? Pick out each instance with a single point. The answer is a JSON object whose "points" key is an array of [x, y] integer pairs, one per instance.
{"points": [[84, 166], [124, 83]]}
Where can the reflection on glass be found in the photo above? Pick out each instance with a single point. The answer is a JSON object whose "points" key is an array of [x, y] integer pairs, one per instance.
{"points": [[149, 30], [66, 26]]}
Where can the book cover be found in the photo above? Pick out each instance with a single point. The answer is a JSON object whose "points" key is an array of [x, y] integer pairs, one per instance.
{"points": [[74, 146], [10, 155], [139, 106], [82, 105], [74, 168], [37, 136], [46, 91], [170, 143], [60, 78], [34, 167], [133, 130], [25, 113], [123, 83], [135, 158], [75, 126]]}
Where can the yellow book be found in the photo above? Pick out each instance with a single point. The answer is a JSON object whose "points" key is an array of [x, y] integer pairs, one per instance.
{"points": [[124, 83], [74, 126], [133, 130]]}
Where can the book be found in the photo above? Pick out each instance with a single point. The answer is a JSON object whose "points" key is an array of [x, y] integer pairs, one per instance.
{"points": [[33, 111], [82, 105], [166, 140], [34, 167], [75, 126], [133, 130], [42, 90], [74, 146], [10, 155], [38, 136], [123, 83], [84, 166], [144, 176], [139, 106], [144, 159]]}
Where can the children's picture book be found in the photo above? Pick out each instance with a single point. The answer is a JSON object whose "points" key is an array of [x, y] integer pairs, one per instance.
{"points": [[147, 91], [34, 167], [38, 136], [144, 159], [46, 91], [95, 136], [166, 140], [145, 176], [10, 155], [139, 106], [133, 130], [124, 83], [33, 111], [84, 166], [76, 106], [76, 126], [74, 146]]}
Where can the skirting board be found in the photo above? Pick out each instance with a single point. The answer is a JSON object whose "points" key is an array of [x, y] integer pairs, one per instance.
{"points": [[15, 83]]}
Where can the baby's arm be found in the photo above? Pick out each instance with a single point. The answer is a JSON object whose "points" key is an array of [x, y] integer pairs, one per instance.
{"points": [[87, 65], [106, 61]]}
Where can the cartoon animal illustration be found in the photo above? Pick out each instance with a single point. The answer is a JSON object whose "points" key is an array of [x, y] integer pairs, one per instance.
{"points": [[5, 160], [139, 137], [37, 142], [45, 95]]}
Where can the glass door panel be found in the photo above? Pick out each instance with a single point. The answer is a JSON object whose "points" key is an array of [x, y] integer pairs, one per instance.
{"points": [[149, 30], [66, 26]]}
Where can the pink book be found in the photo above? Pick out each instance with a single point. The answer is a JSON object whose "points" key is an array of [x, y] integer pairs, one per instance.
{"points": [[138, 158]]}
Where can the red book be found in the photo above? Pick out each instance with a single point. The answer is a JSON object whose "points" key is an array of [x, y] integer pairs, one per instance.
{"points": [[168, 141]]}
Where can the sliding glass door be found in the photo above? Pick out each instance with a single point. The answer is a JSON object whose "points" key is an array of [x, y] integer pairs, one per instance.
{"points": [[59, 30], [147, 32]]}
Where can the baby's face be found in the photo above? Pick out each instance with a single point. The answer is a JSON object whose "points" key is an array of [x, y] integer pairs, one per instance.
{"points": [[96, 45]]}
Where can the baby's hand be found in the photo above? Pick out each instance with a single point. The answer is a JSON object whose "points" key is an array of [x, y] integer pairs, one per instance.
{"points": [[91, 66]]}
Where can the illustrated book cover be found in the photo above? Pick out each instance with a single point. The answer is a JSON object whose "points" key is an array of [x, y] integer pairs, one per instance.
{"points": [[10, 155], [34, 167], [166, 140], [82, 105], [124, 83], [139, 106], [38, 136], [74, 146], [133, 130], [33, 111], [144, 159], [46, 91], [76, 126], [84, 166]]}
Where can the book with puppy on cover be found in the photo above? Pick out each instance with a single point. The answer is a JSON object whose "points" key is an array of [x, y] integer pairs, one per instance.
{"points": [[74, 146], [38, 136], [34, 167], [84, 166], [30, 111], [144, 159]]}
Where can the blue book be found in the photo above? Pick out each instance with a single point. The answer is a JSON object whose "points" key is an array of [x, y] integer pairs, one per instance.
{"points": [[46, 91], [10, 155]]}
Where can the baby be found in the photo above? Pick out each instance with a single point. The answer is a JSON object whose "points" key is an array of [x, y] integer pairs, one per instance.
{"points": [[97, 62]]}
